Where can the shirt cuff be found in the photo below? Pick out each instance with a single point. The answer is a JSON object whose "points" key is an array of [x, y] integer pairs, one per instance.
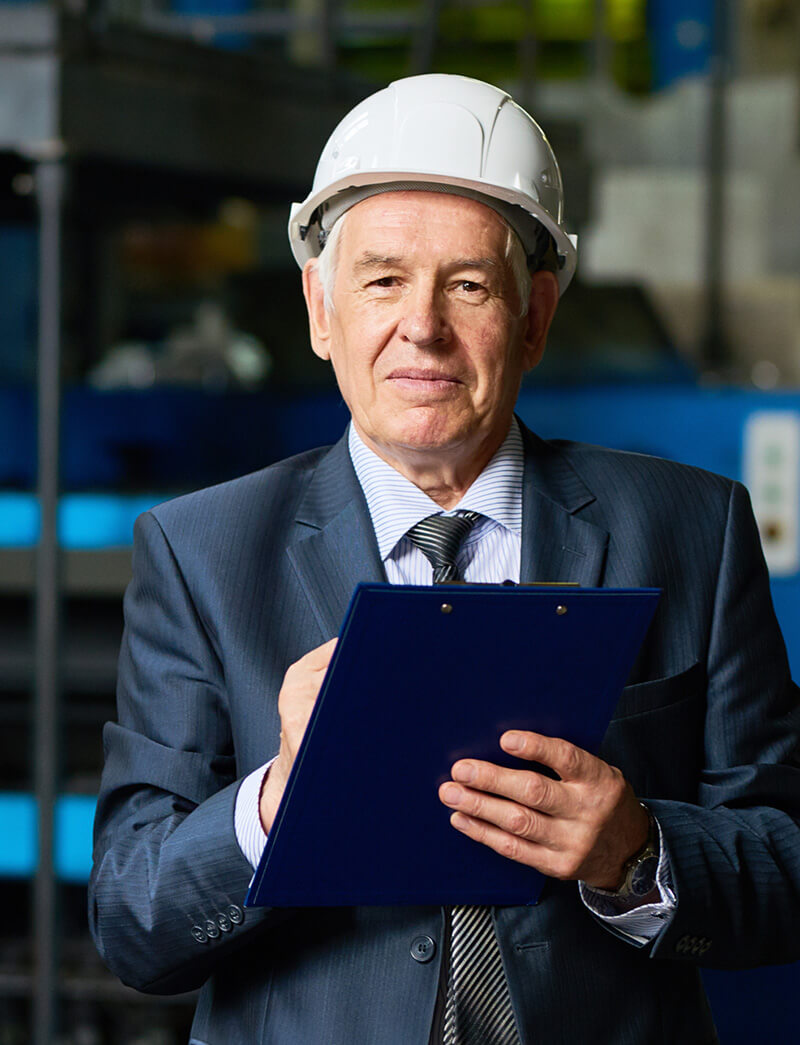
{"points": [[247, 818], [637, 920]]}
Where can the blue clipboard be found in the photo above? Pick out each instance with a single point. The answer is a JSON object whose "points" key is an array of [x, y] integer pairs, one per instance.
{"points": [[420, 677]]}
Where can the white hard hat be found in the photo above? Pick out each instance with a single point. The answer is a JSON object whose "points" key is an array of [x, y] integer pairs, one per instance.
{"points": [[441, 133]]}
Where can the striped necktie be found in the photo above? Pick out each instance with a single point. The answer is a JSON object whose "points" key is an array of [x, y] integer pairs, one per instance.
{"points": [[478, 1007], [439, 538]]}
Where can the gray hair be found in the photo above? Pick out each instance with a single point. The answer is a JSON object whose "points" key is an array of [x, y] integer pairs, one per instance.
{"points": [[514, 254]]}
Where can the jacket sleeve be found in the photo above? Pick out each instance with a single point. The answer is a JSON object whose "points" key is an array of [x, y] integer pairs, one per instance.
{"points": [[735, 853], [166, 895]]}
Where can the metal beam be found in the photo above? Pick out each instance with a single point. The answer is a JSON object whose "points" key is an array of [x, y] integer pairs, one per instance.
{"points": [[716, 352], [49, 181]]}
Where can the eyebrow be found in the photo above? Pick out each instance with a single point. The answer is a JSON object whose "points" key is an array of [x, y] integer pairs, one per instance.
{"points": [[475, 263]]}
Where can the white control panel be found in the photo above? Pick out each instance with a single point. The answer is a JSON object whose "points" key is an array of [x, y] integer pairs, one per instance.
{"points": [[772, 475]]}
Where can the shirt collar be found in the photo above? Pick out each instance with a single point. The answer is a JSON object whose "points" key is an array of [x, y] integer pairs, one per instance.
{"points": [[395, 504]]}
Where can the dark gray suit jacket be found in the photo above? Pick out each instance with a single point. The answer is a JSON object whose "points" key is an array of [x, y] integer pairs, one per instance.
{"points": [[233, 584]]}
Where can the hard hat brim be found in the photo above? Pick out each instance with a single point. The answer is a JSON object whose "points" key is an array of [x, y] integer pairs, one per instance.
{"points": [[303, 236]]}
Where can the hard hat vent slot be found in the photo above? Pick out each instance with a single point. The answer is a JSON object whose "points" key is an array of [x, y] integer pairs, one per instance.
{"points": [[442, 137]]}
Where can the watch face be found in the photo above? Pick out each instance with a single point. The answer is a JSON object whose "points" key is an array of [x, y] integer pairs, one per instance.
{"points": [[643, 876]]}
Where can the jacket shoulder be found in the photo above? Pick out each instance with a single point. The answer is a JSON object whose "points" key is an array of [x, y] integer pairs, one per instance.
{"points": [[601, 464], [279, 485]]}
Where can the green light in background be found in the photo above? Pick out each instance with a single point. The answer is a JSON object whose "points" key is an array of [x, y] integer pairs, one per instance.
{"points": [[626, 20]]}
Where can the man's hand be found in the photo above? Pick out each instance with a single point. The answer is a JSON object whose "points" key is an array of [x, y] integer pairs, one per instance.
{"points": [[296, 700], [584, 826]]}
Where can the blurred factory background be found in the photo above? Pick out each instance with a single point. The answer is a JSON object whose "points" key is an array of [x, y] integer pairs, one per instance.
{"points": [[153, 338]]}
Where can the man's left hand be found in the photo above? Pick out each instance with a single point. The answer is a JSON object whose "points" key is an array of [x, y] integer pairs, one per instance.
{"points": [[585, 825]]}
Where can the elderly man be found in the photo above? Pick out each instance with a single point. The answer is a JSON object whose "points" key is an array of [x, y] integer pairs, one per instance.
{"points": [[434, 253]]}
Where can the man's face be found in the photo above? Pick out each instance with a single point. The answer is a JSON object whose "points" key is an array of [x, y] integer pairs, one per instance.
{"points": [[425, 335]]}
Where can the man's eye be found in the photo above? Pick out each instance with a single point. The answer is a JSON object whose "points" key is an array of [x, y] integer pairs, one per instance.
{"points": [[385, 281], [470, 286]]}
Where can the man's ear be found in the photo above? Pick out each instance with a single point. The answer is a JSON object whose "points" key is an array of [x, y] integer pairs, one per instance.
{"points": [[541, 309], [318, 321]]}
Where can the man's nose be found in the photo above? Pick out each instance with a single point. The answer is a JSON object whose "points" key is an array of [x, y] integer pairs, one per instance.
{"points": [[424, 321]]}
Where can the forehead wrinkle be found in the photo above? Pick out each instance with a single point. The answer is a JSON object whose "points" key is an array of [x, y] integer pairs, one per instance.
{"points": [[369, 260]]}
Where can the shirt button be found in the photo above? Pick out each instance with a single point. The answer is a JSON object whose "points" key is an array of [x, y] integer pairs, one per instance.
{"points": [[224, 922], [235, 913], [212, 929], [423, 948], [199, 934]]}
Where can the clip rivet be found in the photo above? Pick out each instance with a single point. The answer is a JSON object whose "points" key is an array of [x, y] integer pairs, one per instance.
{"points": [[561, 610], [446, 607]]}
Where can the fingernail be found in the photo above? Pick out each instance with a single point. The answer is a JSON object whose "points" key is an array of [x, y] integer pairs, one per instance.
{"points": [[459, 820], [464, 771], [451, 793], [513, 741]]}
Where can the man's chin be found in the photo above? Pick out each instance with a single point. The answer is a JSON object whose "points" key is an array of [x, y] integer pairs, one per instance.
{"points": [[430, 431], [430, 440]]}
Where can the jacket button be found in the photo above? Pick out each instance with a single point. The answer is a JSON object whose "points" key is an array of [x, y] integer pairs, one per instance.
{"points": [[696, 946], [224, 922], [423, 948], [212, 930], [199, 934], [235, 913]]}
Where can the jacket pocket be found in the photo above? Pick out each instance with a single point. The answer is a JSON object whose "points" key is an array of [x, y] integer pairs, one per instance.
{"points": [[661, 693]]}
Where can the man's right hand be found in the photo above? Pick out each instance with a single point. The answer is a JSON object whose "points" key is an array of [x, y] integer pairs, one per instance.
{"points": [[296, 700]]}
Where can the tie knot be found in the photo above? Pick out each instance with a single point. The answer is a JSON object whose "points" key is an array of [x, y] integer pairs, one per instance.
{"points": [[439, 538]]}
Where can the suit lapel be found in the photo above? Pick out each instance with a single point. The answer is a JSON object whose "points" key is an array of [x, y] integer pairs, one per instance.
{"points": [[335, 546], [557, 545]]}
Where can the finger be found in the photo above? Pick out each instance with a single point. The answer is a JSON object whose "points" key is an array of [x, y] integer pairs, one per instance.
{"points": [[511, 817], [530, 789], [568, 760], [511, 846], [318, 658], [314, 662]]}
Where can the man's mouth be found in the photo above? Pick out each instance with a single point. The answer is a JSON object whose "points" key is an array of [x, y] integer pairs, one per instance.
{"points": [[424, 375]]}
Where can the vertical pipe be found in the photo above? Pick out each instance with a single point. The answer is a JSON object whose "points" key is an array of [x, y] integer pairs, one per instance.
{"points": [[327, 33], [528, 53], [716, 355], [601, 49], [423, 45], [304, 39], [312, 33], [49, 190]]}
